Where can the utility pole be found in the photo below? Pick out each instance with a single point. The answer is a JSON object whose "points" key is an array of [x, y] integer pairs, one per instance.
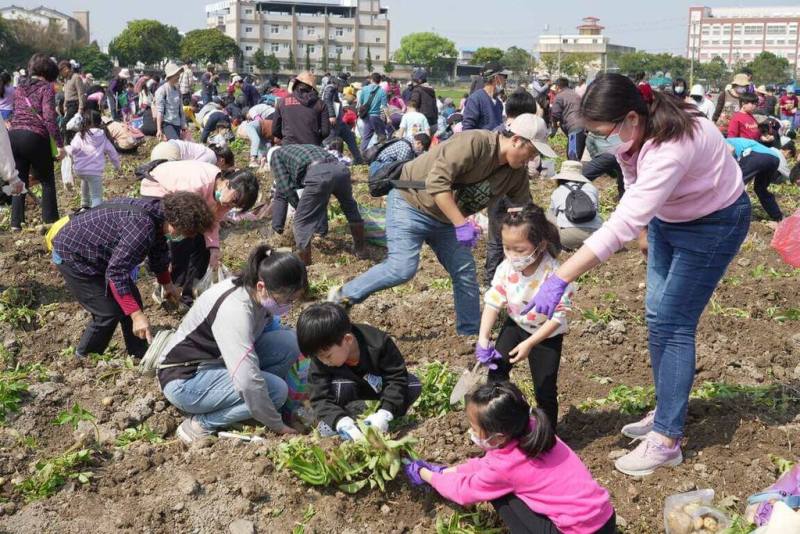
{"points": [[691, 54]]}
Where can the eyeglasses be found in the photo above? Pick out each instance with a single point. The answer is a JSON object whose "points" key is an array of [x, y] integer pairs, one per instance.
{"points": [[612, 132]]}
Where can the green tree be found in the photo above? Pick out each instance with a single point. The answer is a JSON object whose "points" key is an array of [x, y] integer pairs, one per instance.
{"points": [[769, 68], [325, 62], [93, 60], [338, 64], [424, 49], [369, 59], [517, 60], [634, 62], [485, 54], [714, 73], [260, 60], [148, 41], [576, 63], [388, 67], [13, 54], [272, 64], [290, 65], [203, 46], [549, 60]]}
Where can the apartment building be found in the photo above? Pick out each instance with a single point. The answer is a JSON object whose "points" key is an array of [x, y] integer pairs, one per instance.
{"points": [[76, 26], [344, 31], [742, 33]]}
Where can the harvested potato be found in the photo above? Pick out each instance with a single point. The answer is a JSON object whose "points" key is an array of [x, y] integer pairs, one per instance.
{"points": [[698, 523], [679, 523], [691, 508], [710, 523]]}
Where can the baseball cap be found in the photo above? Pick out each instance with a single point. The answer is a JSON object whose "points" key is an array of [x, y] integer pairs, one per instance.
{"points": [[534, 129], [494, 68], [697, 90]]}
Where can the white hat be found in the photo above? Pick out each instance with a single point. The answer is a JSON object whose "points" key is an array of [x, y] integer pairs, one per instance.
{"points": [[571, 171], [697, 90], [236, 79], [171, 70], [782, 521], [166, 150], [124, 74], [534, 129]]}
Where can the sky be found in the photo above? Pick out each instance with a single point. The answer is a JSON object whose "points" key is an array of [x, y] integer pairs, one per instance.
{"points": [[658, 26]]}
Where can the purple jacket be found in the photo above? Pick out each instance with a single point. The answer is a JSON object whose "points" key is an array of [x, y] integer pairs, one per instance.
{"points": [[35, 110], [88, 153]]}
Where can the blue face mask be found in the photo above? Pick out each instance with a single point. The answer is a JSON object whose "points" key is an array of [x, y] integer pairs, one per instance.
{"points": [[218, 196], [175, 238]]}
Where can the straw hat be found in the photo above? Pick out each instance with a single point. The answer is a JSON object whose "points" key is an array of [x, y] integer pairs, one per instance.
{"points": [[166, 150], [307, 78], [761, 89], [124, 74], [741, 80], [171, 70], [571, 171]]}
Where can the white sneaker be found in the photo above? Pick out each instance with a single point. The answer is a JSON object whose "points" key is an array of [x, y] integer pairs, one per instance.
{"points": [[190, 431], [640, 429], [649, 455]]}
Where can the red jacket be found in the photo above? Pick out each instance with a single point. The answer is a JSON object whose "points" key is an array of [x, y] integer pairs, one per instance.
{"points": [[743, 125]]}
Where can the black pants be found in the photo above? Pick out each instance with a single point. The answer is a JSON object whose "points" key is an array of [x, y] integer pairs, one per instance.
{"points": [[33, 151], [347, 391], [347, 135], [320, 182], [544, 360], [762, 168], [93, 293], [70, 109], [519, 519], [494, 243], [189, 260], [605, 164]]}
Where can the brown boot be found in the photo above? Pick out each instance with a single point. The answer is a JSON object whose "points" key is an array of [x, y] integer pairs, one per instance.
{"points": [[305, 255], [359, 240]]}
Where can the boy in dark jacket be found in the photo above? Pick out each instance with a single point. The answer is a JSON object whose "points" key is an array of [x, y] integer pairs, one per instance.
{"points": [[423, 96], [352, 362]]}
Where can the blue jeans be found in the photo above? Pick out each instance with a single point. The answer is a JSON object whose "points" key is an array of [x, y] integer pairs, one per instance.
{"points": [[685, 262], [209, 394], [406, 230], [373, 125], [257, 146]]}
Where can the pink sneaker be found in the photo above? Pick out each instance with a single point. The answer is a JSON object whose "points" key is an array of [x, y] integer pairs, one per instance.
{"points": [[641, 428], [648, 456]]}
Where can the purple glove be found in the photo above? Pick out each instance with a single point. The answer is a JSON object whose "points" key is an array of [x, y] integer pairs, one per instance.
{"points": [[487, 355], [468, 233], [547, 298], [412, 471]]}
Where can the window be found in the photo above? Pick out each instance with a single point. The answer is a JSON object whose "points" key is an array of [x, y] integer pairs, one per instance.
{"points": [[248, 48], [349, 30], [248, 11], [349, 48], [339, 32], [748, 41], [285, 27], [311, 49], [377, 39], [751, 29], [311, 30], [776, 29], [339, 50], [248, 29], [220, 19], [285, 46], [378, 57], [274, 29], [275, 47]]}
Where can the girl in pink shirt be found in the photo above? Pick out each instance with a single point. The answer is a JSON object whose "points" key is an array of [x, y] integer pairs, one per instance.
{"points": [[685, 200], [534, 480]]}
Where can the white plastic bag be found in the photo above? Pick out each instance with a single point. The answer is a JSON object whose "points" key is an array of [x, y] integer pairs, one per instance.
{"points": [[74, 124], [212, 276], [66, 172]]}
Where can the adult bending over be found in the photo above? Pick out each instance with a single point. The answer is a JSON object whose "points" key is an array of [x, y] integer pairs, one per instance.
{"points": [[221, 366], [686, 189], [98, 253]]}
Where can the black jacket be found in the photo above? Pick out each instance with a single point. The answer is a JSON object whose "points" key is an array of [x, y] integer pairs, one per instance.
{"points": [[378, 356], [424, 97], [301, 119]]}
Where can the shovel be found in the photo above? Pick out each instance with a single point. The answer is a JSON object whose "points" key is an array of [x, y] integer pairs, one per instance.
{"points": [[466, 383]]}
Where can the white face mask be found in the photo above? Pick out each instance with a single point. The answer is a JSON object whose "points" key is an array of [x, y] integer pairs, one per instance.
{"points": [[679, 90], [520, 264], [482, 443], [615, 143], [499, 87]]}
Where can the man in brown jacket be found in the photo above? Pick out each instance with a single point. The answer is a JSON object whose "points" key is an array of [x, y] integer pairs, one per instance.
{"points": [[462, 176]]}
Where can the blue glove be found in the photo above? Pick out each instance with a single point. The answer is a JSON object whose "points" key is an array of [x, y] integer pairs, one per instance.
{"points": [[487, 355], [467, 234], [412, 471]]}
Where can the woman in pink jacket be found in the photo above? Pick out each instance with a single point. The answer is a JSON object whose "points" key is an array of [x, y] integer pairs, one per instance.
{"points": [[684, 192], [222, 191], [533, 479]]}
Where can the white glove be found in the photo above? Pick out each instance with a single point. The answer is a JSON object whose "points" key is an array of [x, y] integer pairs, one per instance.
{"points": [[348, 429], [380, 420]]}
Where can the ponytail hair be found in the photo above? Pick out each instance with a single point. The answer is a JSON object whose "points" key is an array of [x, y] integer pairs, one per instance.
{"points": [[610, 97], [282, 273], [93, 119], [540, 230], [502, 409]]}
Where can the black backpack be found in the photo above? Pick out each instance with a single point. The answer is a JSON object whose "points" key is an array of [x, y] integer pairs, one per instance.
{"points": [[387, 177], [372, 153], [578, 207]]}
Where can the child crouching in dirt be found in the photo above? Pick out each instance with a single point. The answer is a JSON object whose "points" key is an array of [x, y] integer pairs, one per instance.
{"points": [[352, 362], [89, 150], [530, 244], [533, 479]]}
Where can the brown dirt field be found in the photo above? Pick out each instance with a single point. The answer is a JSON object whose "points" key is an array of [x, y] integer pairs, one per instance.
{"points": [[169, 488]]}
